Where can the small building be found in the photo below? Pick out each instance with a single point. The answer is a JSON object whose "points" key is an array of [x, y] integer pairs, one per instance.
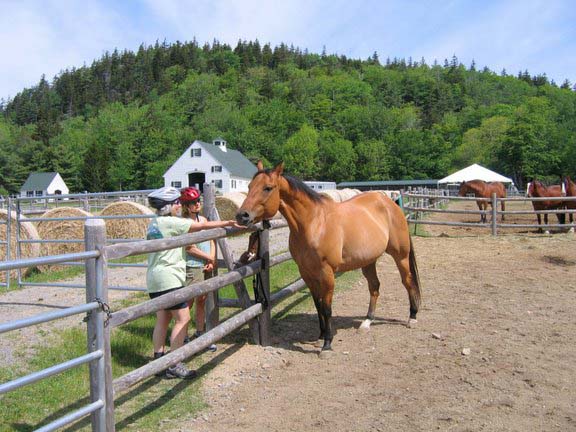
{"points": [[229, 170], [475, 172], [40, 184], [321, 185], [391, 185]]}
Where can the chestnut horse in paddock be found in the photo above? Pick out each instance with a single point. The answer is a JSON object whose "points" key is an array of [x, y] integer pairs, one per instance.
{"points": [[570, 189], [537, 190], [482, 189], [328, 237]]}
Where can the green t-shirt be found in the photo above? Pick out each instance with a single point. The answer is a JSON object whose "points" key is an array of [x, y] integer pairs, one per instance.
{"points": [[166, 269]]}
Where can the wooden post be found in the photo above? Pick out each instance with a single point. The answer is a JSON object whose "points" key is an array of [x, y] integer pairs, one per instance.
{"points": [[494, 213], [98, 330], [265, 320], [212, 309]]}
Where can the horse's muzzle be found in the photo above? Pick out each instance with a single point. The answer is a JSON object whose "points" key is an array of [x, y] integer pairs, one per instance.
{"points": [[243, 218]]}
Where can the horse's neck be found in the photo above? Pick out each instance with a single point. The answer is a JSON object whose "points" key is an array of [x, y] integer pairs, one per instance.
{"points": [[297, 208]]}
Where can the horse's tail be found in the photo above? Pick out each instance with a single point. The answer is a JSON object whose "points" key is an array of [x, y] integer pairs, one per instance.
{"points": [[415, 276]]}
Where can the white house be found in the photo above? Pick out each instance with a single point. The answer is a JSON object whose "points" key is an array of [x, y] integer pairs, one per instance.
{"points": [[42, 184], [229, 170]]}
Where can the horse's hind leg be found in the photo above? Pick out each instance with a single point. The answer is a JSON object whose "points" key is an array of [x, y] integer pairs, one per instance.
{"points": [[409, 273], [371, 276]]}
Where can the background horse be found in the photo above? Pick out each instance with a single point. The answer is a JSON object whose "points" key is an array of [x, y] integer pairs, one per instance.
{"points": [[482, 189], [570, 189], [328, 237], [537, 190]]}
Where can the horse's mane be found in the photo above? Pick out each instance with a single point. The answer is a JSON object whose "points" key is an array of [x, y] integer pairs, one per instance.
{"points": [[298, 186]]}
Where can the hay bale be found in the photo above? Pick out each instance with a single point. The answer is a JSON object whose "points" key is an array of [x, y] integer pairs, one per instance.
{"points": [[27, 232], [333, 194], [228, 204], [126, 228], [61, 230]]}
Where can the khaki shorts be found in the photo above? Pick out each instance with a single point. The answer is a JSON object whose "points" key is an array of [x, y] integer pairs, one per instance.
{"points": [[194, 274]]}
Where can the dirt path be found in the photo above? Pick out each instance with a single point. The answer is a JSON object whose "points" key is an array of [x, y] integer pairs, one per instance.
{"points": [[493, 351]]}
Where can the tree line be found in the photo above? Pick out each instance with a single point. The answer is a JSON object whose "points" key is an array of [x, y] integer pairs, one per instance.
{"points": [[119, 123]]}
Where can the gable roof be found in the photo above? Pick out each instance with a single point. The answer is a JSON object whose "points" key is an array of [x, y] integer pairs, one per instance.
{"points": [[475, 172], [38, 181], [234, 161]]}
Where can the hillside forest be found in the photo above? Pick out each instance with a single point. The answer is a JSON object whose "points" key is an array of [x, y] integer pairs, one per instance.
{"points": [[120, 122]]}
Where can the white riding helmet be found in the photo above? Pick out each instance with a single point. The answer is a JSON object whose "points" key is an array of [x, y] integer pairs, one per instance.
{"points": [[163, 196]]}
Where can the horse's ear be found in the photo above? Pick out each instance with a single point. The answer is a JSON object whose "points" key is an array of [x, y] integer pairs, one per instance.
{"points": [[279, 169], [259, 165]]}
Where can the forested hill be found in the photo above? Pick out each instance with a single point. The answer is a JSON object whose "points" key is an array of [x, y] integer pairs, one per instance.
{"points": [[121, 122]]}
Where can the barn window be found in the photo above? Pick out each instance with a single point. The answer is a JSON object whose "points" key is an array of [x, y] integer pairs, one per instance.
{"points": [[233, 184], [217, 183], [196, 152], [217, 168], [176, 184], [29, 193], [39, 193]]}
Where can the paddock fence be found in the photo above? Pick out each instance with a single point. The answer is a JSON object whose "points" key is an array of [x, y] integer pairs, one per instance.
{"points": [[100, 319], [418, 208]]}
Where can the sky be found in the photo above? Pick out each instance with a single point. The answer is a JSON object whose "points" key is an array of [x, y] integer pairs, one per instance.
{"points": [[46, 37]]}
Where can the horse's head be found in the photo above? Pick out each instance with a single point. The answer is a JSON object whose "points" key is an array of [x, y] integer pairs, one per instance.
{"points": [[263, 199], [463, 189]]}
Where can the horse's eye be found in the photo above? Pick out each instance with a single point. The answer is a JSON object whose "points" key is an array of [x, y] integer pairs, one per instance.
{"points": [[268, 188]]}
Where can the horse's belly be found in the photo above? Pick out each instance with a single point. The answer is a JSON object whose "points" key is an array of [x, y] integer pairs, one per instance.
{"points": [[361, 251]]}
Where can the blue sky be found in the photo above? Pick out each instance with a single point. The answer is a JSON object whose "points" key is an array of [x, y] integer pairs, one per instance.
{"points": [[47, 36]]}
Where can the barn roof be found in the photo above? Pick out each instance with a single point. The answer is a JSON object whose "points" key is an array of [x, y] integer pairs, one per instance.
{"points": [[475, 172], [39, 181], [234, 161]]}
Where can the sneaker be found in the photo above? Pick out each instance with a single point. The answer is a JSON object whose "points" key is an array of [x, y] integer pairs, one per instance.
{"points": [[157, 355], [180, 371], [186, 339], [212, 347]]}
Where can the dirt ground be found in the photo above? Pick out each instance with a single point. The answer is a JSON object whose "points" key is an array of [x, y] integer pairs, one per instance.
{"points": [[493, 349]]}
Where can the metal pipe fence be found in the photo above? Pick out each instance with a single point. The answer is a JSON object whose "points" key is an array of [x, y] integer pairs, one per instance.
{"points": [[417, 206], [100, 320]]}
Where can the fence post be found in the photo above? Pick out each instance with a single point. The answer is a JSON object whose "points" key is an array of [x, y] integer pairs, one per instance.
{"points": [[494, 213], [265, 320], [98, 330], [212, 309]]}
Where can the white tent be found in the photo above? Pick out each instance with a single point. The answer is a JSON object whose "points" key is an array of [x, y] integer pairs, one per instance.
{"points": [[474, 172]]}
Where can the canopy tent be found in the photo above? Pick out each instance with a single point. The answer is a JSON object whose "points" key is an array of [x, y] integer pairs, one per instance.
{"points": [[474, 172]]}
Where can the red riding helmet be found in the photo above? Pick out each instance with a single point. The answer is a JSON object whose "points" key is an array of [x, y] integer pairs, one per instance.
{"points": [[189, 194]]}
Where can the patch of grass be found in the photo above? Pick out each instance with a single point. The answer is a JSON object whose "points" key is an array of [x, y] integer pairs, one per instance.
{"points": [[153, 404]]}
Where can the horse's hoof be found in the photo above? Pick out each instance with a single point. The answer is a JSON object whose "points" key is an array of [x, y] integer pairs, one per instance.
{"points": [[412, 322], [319, 343], [571, 230], [365, 326], [325, 354], [547, 232]]}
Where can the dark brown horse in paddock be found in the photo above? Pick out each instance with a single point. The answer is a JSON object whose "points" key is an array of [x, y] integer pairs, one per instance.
{"points": [[537, 190], [482, 189], [570, 189], [328, 237]]}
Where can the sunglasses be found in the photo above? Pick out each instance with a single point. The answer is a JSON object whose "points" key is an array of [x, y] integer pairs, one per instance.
{"points": [[196, 201]]}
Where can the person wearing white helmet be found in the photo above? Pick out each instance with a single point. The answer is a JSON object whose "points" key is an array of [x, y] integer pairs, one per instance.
{"points": [[167, 272]]}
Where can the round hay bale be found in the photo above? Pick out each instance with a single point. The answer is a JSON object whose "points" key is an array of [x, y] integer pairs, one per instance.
{"points": [[61, 230], [228, 204], [126, 228], [27, 232], [333, 194]]}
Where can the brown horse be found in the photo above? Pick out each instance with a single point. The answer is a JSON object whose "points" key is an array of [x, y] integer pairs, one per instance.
{"points": [[482, 189], [537, 190], [328, 237], [570, 189]]}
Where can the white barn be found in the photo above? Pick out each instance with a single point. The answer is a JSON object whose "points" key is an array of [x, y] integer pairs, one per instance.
{"points": [[40, 184], [229, 170]]}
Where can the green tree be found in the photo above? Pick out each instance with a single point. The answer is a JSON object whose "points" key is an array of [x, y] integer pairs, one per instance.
{"points": [[300, 153]]}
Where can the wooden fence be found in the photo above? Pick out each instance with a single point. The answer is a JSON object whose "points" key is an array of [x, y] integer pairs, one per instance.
{"points": [[101, 320]]}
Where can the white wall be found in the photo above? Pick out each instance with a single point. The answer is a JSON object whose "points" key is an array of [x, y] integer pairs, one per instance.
{"points": [[187, 164], [57, 184]]}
